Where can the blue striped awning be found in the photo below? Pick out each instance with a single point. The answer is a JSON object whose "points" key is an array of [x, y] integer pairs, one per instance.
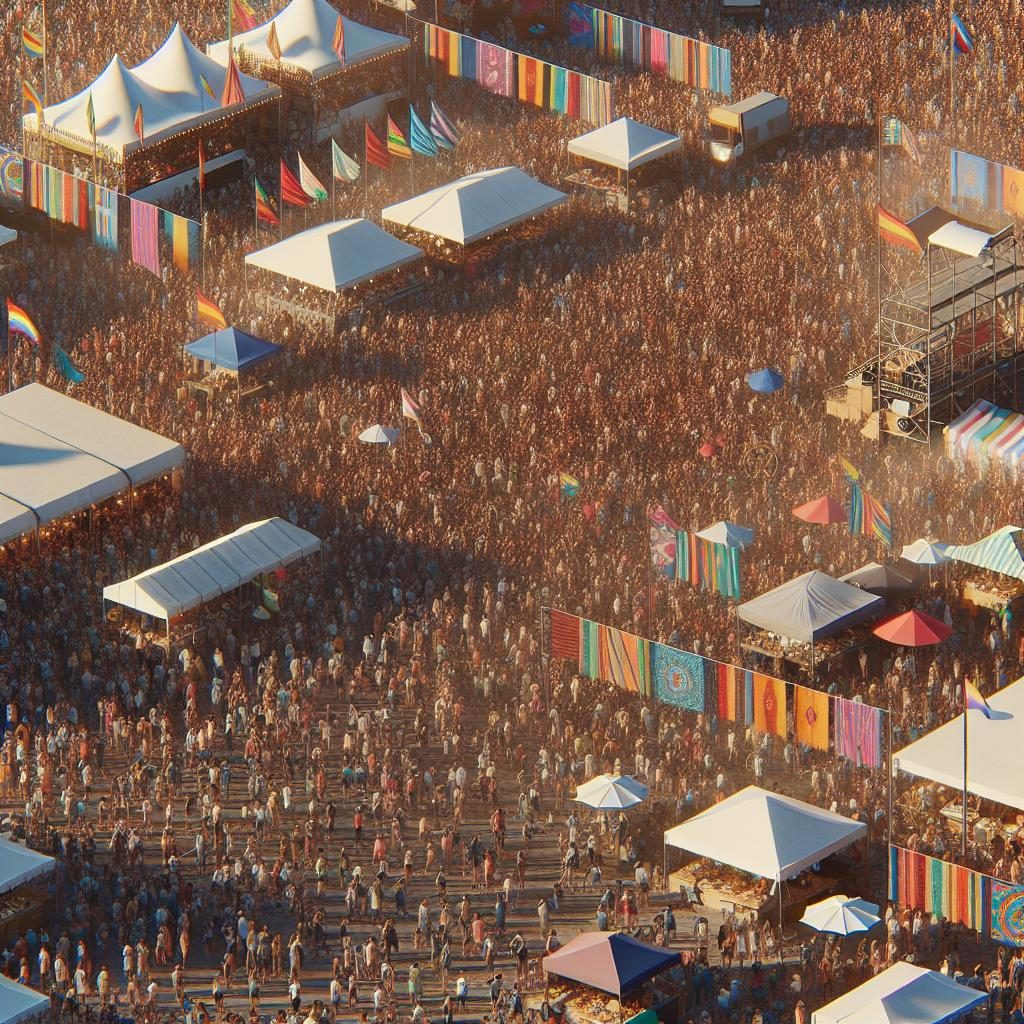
{"points": [[999, 551]]}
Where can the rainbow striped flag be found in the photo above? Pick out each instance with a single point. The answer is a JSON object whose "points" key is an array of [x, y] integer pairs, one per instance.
{"points": [[19, 322], [243, 15], [208, 312], [894, 231], [32, 98], [868, 516], [338, 42], [32, 44], [207, 88], [264, 211], [397, 145]]}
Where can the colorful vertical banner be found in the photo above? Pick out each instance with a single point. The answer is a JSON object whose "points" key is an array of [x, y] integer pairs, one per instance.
{"points": [[858, 732], [565, 636], [962, 896], [678, 677], [811, 717], [623, 41], [769, 705], [145, 236], [997, 188], [625, 660], [104, 221]]}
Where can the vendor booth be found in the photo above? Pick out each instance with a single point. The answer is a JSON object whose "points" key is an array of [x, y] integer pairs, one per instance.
{"points": [[753, 851], [999, 556], [221, 568], [882, 580], [802, 620], [231, 360], [902, 994], [623, 147], [995, 795], [25, 898], [640, 976], [177, 111]]}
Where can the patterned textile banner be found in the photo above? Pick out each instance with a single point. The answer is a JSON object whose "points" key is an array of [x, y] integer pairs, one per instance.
{"points": [[710, 566], [992, 186], [858, 732], [1007, 913], [12, 178], [678, 677], [633, 44], [491, 66], [145, 236], [625, 660], [565, 636], [811, 717], [507, 73], [960, 895], [184, 236]]}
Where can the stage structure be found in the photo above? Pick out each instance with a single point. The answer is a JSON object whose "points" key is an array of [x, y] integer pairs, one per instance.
{"points": [[948, 338]]}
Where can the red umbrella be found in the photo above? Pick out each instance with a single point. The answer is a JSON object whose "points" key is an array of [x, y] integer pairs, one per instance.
{"points": [[822, 510], [707, 449], [913, 629]]}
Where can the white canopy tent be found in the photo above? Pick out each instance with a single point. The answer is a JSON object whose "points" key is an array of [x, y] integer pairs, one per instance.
{"points": [[169, 89], [19, 1002], [959, 238], [729, 534], [625, 144], [214, 569], [992, 764], [810, 607], [902, 994], [766, 834], [337, 255], [19, 864], [139, 453], [305, 30], [7, 235], [476, 206]]}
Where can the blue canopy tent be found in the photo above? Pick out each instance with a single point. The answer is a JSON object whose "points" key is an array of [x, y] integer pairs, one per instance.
{"points": [[766, 381], [609, 961], [232, 349]]}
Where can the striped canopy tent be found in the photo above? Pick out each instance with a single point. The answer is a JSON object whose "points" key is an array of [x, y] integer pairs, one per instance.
{"points": [[1000, 552], [985, 433]]}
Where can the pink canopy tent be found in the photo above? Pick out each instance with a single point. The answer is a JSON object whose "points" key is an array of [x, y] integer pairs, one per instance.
{"points": [[609, 961]]}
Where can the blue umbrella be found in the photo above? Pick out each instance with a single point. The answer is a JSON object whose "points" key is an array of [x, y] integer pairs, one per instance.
{"points": [[765, 381]]}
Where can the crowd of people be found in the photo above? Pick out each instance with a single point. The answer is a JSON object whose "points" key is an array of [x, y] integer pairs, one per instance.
{"points": [[363, 806]]}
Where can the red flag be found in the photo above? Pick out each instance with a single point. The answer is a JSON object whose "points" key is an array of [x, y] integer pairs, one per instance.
{"points": [[202, 167], [376, 152], [291, 190], [140, 125], [232, 93]]}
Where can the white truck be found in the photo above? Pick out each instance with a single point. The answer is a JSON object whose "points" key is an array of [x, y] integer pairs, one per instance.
{"points": [[739, 129]]}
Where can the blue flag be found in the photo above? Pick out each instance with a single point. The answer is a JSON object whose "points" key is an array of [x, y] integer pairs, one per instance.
{"points": [[65, 367], [420, 139]]}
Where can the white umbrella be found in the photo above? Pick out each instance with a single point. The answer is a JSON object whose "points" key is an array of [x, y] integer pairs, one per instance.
{"points": [[611, 792], [841, 915], [379, 435], [924, 552], [729, 534]]}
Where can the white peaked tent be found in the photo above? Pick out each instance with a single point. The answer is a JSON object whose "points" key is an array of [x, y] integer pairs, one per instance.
{"points": [[766, 834], [476, 206], [19, 1002], [810, 607], [214, 569], [19, 864], [625, 144], [337, 255], [903, 994], [729, 534], [168, 88], [305, 30]]}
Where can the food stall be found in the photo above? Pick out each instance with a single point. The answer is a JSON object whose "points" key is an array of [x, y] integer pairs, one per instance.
{"points": [[1000, 580], [753, 852], [641, 977], [231, 363]]}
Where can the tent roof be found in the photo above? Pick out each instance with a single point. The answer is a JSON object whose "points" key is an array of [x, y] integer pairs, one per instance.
{"points": [[998, 551], [7, 235], [765, 834], [924, 552], [625, 144], [217, 568], [993, 765], [168, 87], [879, 579], [232, 349], [609, 961], [729, 534], [305, 30], [902, 994], [20, 864], [336, 255], [17, 1002], [139, 453], [957, 237], [810, 607], [476, 206]]}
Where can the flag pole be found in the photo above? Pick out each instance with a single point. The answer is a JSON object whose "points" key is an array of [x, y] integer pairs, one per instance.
{"points": [[46, 79], [952, 68], [366, 167], [878, 277], [963, 823], [255, 212]]}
